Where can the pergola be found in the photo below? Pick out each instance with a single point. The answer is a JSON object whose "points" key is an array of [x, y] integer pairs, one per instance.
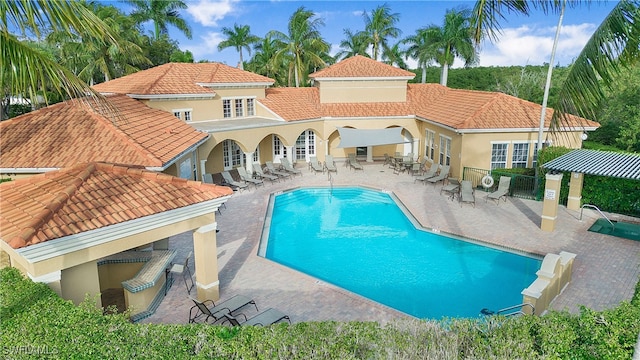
{"points": [[580, 162]]}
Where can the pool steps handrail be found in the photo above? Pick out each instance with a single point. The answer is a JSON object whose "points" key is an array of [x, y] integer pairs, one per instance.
{"points": [[519, 312], [598, 210]]}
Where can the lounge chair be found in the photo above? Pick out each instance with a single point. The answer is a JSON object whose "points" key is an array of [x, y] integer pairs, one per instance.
{"points": [[184, 271], [267, 317], [415, 169], [272, 170], [442, 175], [502, 192], [216, 312], [257, 169], [232, 182], [248, 178], [353, 162], [286, 165], [428, 175], [451, 188], [466, 193], [329, 164], [315, 165]]}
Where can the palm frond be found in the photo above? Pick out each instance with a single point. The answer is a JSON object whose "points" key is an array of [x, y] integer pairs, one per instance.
{"points": [[613, 46]]}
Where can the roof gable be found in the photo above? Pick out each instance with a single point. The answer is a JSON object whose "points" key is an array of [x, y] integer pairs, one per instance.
{"points": [[361, 67], [180, 78], [90, 196], [64, 134]]}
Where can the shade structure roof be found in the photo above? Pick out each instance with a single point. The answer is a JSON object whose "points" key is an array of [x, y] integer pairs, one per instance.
{"points": [[369, 137], [600, 163]]}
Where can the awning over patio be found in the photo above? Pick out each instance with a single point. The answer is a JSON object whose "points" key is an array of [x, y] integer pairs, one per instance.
{"points": [[600, 163], [369, 137]]}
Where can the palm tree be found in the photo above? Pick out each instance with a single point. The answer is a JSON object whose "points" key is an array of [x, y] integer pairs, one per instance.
{"points": [[302, 47], [263, 62], [612, 47], [395, 56], [353, 44], [239, 37], [162, 13], [420, 50], [453, 40], [94, 60], [27, 71], [379, 26]]}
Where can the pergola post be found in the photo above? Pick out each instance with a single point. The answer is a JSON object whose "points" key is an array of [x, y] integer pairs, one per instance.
{"points": [[205, 253], [575, 191], [551, 200]]}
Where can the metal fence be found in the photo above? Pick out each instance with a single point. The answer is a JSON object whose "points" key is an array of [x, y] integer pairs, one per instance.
{"points": [[522, 186]]}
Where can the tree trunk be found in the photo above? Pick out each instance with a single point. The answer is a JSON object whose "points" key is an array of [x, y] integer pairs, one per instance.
{"points": [[241, 64], [424, 73], [444, 74]]}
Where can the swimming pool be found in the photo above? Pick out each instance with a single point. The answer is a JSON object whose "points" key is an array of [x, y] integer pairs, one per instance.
{"points": [[362, 241]]}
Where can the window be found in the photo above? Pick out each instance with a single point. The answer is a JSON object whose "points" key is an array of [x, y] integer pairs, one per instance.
{"points": [[305, 145], [277, 145], [445, 150], [176, 114], [251, 110], [187, 115], [534, 163], [232, 155], [183, 114], [520, 155], [185, 169], [499, 155], [239, 108], [430, 141], [226, 108], [256, 155]]}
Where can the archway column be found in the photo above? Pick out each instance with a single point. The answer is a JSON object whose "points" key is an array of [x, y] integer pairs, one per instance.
{"points": [[551, 200], [290, 156], [205, 253], [369, 153], [575, 191], [248, 162]]}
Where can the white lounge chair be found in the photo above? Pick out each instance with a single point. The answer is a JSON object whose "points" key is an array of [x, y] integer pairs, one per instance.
{"points": [[286, 165], [329, 164], [232, 182], [257, 169], [248, 178], [502, 192]]}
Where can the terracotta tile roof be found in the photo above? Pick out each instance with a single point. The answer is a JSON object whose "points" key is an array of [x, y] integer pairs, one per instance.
{"points": [[366, 109], [360, 66], [293, 103], [179, 78], [89, 196], [470, 109], [67, 133]]}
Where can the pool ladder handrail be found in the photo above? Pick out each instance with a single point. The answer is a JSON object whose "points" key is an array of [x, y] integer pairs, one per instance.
{"points": [[330, 178], [598, 210], [519, 312]]}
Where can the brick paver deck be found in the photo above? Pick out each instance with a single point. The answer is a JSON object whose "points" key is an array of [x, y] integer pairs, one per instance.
{"points": [[605, 271]]}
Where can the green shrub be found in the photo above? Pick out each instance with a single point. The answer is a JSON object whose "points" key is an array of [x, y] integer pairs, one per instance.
{"points": [[38, 323]]}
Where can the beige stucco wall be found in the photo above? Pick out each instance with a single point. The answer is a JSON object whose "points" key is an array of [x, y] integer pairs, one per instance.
{"points": [[356, 91], [112, 275]]}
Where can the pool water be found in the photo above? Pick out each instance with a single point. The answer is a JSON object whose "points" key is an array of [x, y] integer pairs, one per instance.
{"points": [[621, 229], [360, 240]]}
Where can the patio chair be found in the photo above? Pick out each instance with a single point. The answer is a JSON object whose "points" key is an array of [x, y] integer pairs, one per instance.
{"points": [[289, 168], [244, 175], [329, 164], [272, 170], [235, 185], [502, 192], [315, 165], [257, 169], [267, 317], [216, 312], [183, 269], [353, 162], [466, 193], [442, 175], [451, 188], [427, 175], [387, 159], [416, 169]]}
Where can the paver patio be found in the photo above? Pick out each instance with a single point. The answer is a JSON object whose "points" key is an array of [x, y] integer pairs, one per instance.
{"points": [[605, 271]]}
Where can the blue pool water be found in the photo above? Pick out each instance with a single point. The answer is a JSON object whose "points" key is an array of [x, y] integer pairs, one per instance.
{"points": [[360, 240]]}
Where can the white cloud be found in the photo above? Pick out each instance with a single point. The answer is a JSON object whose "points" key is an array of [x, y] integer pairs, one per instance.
{"points": [[206, 48], [530, 45], [358, 13], [209, 12]]}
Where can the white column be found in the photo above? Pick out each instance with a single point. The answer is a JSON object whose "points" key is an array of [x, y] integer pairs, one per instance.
{"points": [[289, 153], [205, 253], [203, 169], [248, 162], [369, 153]]}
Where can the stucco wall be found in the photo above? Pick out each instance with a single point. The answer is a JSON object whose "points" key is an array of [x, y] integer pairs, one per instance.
{"points": [[356, 91]]}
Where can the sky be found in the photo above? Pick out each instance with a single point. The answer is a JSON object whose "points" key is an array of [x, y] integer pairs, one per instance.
{"points": [[525, 40]]}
